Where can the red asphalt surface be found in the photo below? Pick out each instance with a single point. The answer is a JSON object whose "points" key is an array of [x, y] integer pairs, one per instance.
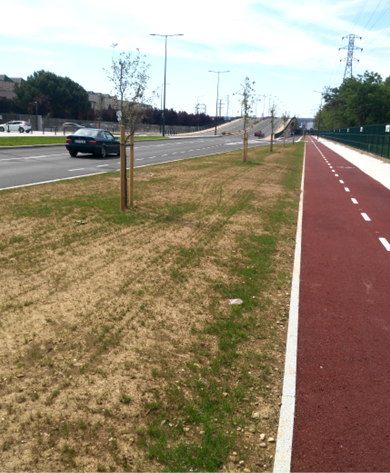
{"points": [[342, 411]]}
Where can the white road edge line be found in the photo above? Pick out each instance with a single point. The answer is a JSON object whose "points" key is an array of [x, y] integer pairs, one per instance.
{"points": [[346, 189], [284, 440], [354, 201], [385, 243], [366, 217], [341, 182], [53, 180]]}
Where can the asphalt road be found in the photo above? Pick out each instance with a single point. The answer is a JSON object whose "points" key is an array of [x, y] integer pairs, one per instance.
{"points": [[28, 166]]}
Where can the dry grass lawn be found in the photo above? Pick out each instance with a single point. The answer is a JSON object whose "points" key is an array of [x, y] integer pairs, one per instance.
{"points": [[119, 348]]}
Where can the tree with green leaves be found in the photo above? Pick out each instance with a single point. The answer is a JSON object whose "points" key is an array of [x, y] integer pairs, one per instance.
{"points": [[61, 96], [360, 100], [272, 113], [129, 77], [247, 98]]}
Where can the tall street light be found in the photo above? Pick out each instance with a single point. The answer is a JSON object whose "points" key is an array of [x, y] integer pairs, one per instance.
{"points": [[319, 118], [256, 102], [161, 104], [216, 106], [36, 114], [165, 71], [264, 97]]}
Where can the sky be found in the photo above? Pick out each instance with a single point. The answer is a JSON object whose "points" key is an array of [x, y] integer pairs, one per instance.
{"points": [[290, 50]]}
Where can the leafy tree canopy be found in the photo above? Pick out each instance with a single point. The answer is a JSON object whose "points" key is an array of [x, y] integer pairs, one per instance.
{"points": [[60, 96], [361, 100]]}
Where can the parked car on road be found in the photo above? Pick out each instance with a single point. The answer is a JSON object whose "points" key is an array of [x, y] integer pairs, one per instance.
{"points": [[16, 125], [92, 140], [259, 134]]}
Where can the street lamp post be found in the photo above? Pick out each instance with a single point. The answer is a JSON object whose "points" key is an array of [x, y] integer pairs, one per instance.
{"points": [[319, 118], [264, 97], [161, 104], [197, 103], [216, 107], [165, 71], [36, 115], [257, 100]]}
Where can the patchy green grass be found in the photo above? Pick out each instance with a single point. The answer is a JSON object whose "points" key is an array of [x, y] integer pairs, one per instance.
{"points": [[123, 351]]}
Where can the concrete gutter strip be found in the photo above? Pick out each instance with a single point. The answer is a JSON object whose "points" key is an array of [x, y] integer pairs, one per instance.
{"points": [[284, 441]]}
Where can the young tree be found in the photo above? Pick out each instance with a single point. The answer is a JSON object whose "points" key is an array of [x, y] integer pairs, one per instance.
{"points": [[272, 112], [129, 76], [247, 97]]}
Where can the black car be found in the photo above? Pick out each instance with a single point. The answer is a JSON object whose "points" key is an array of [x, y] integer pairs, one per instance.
{"points": [[90, 140]]}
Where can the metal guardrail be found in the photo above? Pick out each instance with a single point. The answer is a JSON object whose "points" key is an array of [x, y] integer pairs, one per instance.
{"points": [[370, 138]]}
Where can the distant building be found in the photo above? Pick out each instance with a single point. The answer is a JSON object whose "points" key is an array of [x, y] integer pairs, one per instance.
{"points": [[7, 85], [95, 100]]}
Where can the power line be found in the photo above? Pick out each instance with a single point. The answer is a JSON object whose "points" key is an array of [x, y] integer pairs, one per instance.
{"points": [[383, 13], [380, 1], [359, 13]]}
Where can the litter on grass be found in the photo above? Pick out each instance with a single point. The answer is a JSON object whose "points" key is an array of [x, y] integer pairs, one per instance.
{"points": [[235, 301]]}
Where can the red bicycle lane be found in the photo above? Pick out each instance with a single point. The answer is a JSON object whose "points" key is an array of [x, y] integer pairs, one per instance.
{"points": [[342, 419]]}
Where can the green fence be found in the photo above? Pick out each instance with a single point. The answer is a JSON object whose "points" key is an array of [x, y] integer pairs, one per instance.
{"points": [[371, 138]]}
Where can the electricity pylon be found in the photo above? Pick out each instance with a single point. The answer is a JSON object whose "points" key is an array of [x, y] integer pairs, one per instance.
{"points": [[351, 47]]}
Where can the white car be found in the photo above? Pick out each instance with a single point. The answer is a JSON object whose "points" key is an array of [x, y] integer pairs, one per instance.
{"points": [[15, 125]]}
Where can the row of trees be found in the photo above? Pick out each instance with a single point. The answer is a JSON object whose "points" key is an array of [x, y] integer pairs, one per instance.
{"points": [[60, 97], [153, 116], [361, 100]]}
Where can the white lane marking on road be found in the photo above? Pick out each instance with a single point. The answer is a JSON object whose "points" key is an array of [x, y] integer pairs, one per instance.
{"points": [[79, 169], [151, 157], [36, 157], [333, 170], [174, 153], [341, 182], [140, 159], [191, 150], [346, 189], [164, 155], [366, 217], [182, 152], [102, 165], [336, 175], [354, 201], [330, 167], [385, 243]]}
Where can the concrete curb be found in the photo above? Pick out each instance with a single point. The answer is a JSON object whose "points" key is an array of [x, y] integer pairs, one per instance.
{"points": [[284, 441]]}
